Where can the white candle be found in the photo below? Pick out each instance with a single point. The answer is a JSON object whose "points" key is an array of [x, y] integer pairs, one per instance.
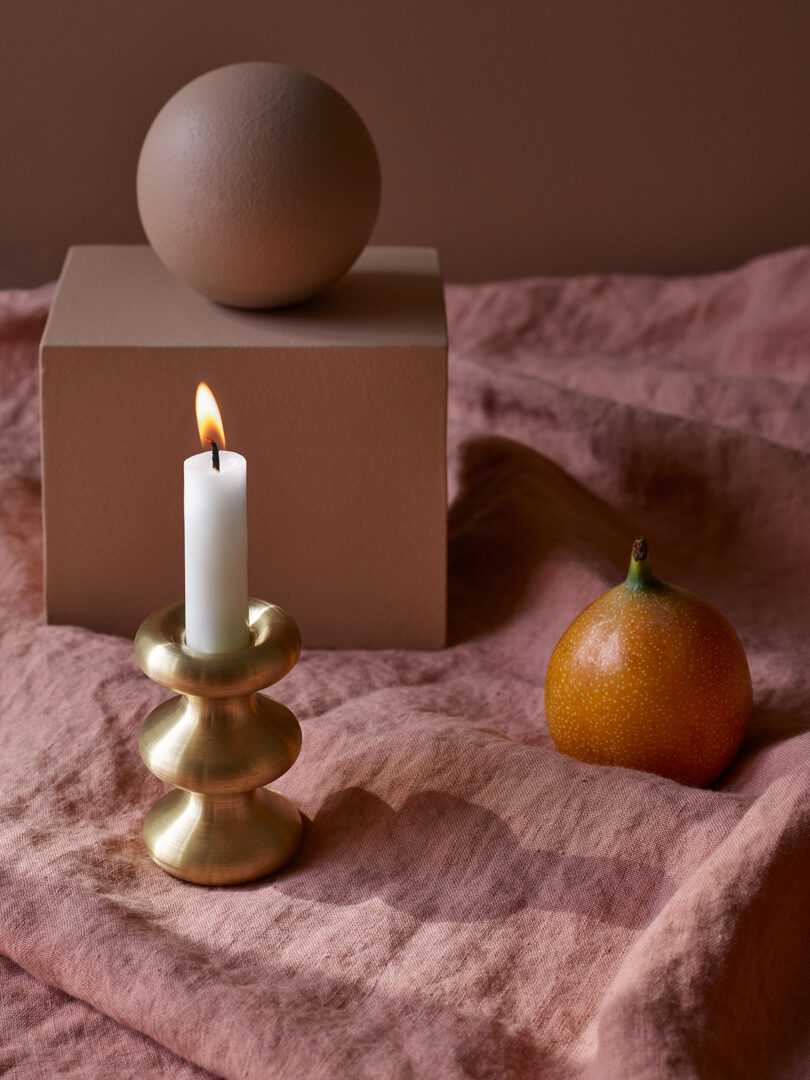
{"points": [[215, 504]]}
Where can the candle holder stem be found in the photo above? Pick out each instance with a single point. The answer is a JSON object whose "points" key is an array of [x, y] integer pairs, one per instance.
{"points": [[218, 743]]}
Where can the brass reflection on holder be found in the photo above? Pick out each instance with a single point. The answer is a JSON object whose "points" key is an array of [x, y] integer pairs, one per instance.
{"points": [[218, 744]]}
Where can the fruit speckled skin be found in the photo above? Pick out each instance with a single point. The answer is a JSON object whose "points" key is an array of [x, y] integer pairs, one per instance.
{"points": [[650, 677]]}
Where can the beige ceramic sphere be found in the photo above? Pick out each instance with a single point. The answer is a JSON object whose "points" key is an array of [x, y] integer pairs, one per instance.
{"points": [[258, 185]]}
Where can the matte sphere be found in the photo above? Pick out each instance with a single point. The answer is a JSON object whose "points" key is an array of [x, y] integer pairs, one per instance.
{"points": [[258, 185]]}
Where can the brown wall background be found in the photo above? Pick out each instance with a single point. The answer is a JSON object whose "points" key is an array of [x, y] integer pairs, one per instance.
{"points": [[552, 137]]}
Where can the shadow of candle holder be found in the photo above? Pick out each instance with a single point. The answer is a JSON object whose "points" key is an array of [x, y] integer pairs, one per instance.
{"points": [[440, 858]]}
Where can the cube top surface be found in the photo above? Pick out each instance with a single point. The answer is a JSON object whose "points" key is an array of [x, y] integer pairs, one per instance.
{"points": [[391, 296]]}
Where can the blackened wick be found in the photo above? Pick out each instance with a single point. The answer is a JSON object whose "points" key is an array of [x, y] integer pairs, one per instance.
{"points": [[214, 454]]}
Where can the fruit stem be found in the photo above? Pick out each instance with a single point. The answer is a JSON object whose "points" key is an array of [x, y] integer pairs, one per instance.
{"points": [[640, 576]]}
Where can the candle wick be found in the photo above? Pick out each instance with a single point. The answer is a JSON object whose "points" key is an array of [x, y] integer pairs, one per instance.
{"points": [[214, 454]]}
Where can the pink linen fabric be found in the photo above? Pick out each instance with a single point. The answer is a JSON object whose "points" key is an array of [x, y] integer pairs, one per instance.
{"points": [[467, 901]]}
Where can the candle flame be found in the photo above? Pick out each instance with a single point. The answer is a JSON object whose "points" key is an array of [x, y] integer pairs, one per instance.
{"points": [[209, 422]]}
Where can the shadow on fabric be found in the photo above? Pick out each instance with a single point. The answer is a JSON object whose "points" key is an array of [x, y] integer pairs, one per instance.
{"points": [[514, 507], [442, 859]]}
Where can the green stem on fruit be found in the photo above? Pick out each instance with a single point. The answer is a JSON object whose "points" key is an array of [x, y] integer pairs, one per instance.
{"points": [[640, 576]]}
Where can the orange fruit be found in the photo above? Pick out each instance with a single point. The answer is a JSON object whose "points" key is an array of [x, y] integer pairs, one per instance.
{"points": [[650, 677]]}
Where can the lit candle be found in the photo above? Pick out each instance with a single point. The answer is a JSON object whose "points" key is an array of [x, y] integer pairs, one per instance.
{"points": [[216, 538]]}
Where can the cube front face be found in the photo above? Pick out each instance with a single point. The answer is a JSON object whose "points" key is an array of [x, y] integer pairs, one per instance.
{"points": [[347, 503]]}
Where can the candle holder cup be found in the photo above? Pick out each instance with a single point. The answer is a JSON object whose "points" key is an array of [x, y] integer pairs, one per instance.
{"points": [[218, 743]]}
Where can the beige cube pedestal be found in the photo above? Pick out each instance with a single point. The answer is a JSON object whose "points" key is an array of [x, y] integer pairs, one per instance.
{"points": [[338, 404]]}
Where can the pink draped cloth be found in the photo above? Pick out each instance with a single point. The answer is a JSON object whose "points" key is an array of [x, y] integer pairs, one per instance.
{"points": [[468, 902]]}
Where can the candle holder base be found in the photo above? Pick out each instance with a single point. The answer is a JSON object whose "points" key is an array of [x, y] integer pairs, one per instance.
{"points": [[219, 742], [220, 839]]}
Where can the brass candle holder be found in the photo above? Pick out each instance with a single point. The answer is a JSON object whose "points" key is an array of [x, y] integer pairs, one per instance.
{"points": [[218, 743]]}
